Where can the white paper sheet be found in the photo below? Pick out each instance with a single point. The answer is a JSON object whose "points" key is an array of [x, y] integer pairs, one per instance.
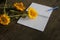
{"points": [[40, 22]]}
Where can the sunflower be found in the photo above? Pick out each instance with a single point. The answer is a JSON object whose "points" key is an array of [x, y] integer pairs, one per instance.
{"points": [[32, 13], [4, 19], [19, 6]]}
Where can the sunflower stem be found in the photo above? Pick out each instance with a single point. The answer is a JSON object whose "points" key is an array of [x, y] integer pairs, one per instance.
{"points": [[15, 11], [5, 5], [15, 16]]}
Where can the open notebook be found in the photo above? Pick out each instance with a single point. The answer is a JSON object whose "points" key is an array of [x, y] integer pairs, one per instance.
{"points": [[40, 22]]}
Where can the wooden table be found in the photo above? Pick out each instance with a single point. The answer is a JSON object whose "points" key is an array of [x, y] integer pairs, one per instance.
{"points": [[16, 31]]}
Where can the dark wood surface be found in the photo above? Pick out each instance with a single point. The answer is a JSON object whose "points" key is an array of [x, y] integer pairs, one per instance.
{"points": [[16, 31]]}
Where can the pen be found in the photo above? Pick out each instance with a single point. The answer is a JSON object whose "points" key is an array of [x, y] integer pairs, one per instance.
{"points": [[53, 8]]}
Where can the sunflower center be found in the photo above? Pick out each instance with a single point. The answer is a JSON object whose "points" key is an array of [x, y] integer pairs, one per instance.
{"points": [[32, 13], [4, 19]]}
